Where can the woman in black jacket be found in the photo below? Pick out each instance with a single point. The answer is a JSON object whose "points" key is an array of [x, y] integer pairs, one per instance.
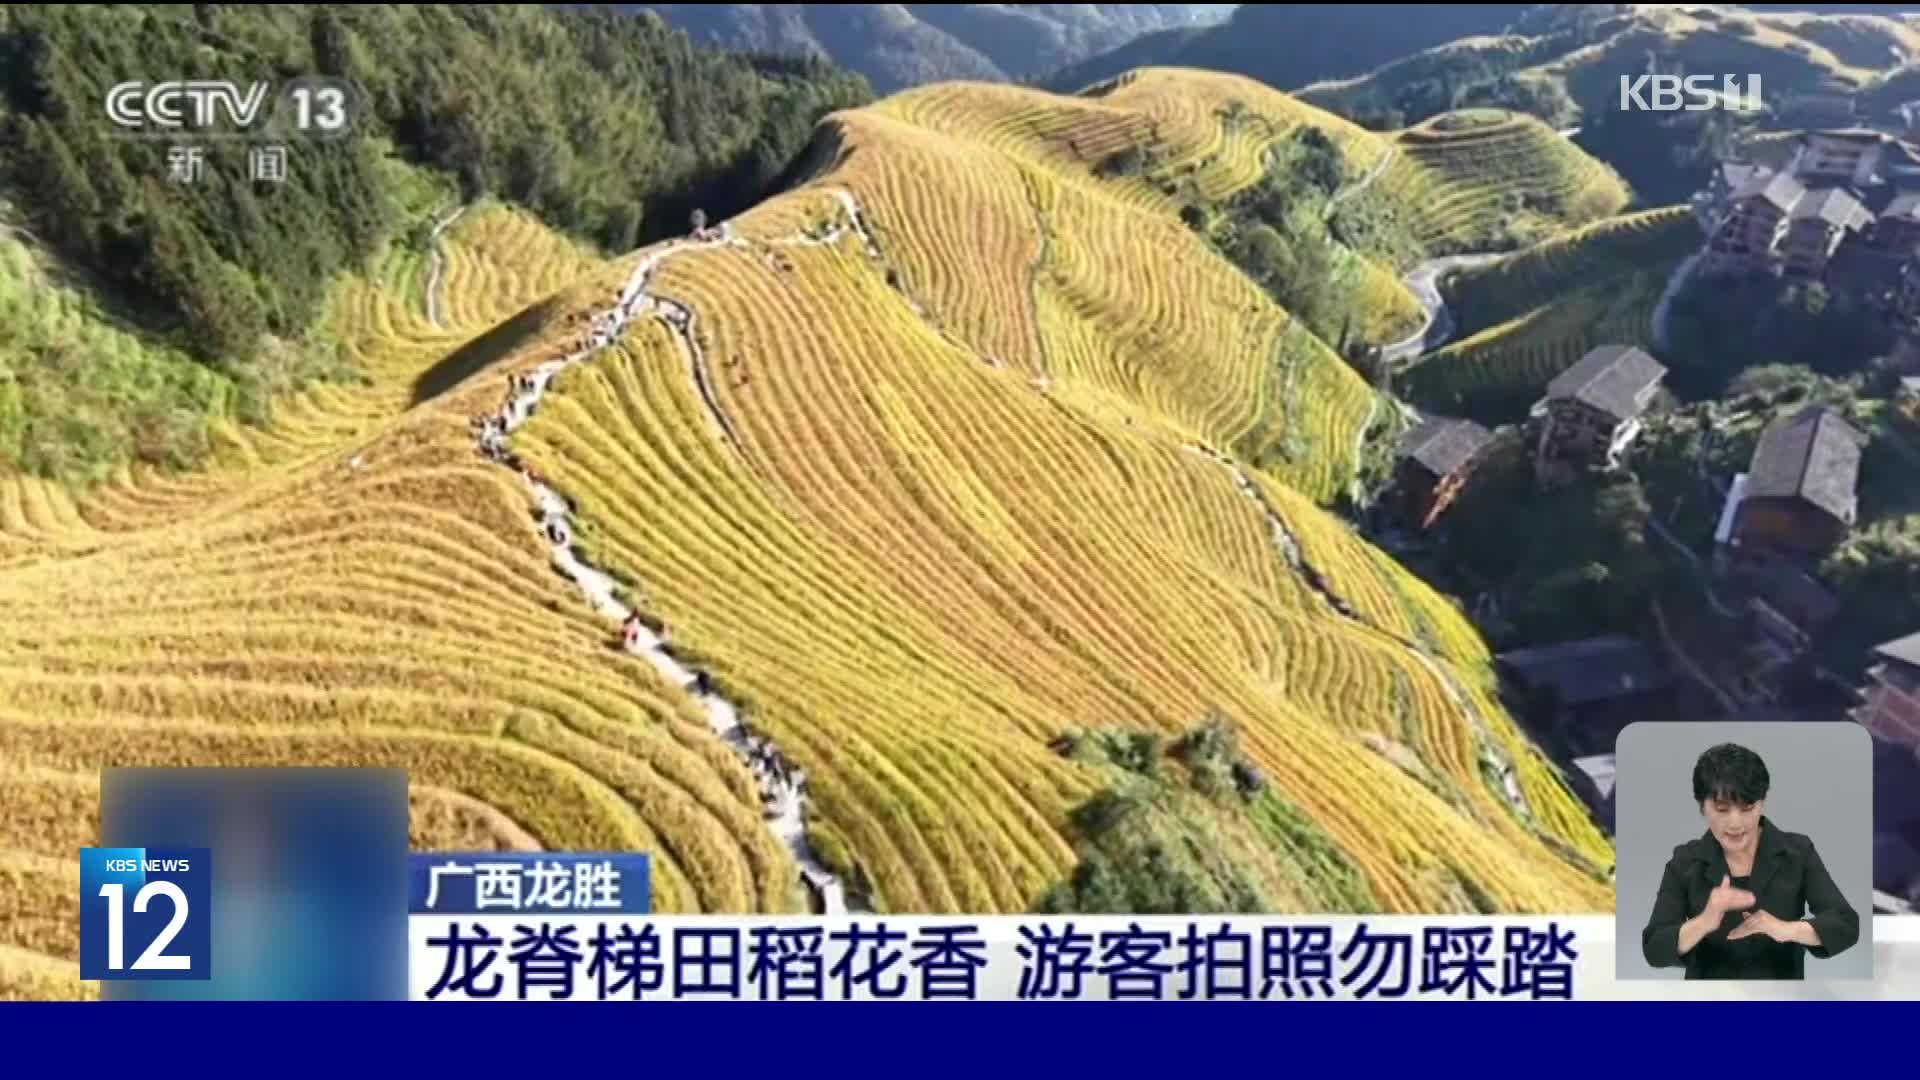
{"points": [[1748, 900]]}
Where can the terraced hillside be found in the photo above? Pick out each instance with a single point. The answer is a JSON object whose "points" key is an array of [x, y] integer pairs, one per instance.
{"points": [[1491, 185], [1577, 68], [1482, 296], [1526, 318], [922, 464]]}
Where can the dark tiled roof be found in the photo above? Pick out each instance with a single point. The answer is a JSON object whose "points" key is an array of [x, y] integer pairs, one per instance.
{"points": [[1834, 205], [1609, 378], [1780, 189], [1594, 669], [1906, 649], [1813, 455], [1441, 445]]}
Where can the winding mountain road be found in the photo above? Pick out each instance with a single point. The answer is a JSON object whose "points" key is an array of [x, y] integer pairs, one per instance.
{"points": [[1424, 281], [1675, 282]]}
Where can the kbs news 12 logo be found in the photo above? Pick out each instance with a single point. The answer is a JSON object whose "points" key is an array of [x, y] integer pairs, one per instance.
{"points": [[313, 106], [1692, 93], [146, 913]]}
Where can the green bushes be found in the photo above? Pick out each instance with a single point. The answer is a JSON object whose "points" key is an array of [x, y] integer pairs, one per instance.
{"points": [[1192, 826], [1276, 231]]}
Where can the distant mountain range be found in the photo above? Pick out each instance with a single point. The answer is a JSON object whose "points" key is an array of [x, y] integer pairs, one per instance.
{"points": [[901, 45], [1292, 45]]}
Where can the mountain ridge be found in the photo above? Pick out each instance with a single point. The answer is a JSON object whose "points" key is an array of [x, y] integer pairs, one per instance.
{"points": [[897, 46], [981, 490]]}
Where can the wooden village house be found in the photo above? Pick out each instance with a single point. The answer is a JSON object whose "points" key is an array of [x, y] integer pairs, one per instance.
{"points": [[1875, 265], [1592, 411], [1818, 224], [1587, 691], [1800, 496], [1437, 458], [1891, 710], [1858, 158], [1756, 219], [1839, 212]]}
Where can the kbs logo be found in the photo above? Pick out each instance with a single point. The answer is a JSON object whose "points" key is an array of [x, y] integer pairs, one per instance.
{"points": [[311, 106], [154, 905], [1694, 93]]}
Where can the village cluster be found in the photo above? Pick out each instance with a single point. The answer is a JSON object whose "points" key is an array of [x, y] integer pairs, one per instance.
{"points": [[1794, 504], [1844, 212]]}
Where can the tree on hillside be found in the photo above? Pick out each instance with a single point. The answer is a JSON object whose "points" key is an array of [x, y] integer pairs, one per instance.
{"points": [[1720, 328], [1276, 230], [1877, 574]]}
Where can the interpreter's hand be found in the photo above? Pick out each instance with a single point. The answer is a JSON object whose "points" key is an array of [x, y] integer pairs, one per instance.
{"points": [[1760, 922], [1725, 897]]}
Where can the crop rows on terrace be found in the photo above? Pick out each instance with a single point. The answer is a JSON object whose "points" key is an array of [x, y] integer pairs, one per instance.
{"points": [[1503, 369], [1481, 296], [1205, 134], [1056, 131], [912, 487], [916, 568], [296, 608], [389, 341], [54, 813], [1468, 189], [310, 648], [1151, 301], [973, 276], [1384, 309]]}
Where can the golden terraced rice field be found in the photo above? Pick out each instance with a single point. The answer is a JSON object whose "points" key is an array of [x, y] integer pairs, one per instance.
{"points": [[961, 516], [1530, 316], [1503, 172]]}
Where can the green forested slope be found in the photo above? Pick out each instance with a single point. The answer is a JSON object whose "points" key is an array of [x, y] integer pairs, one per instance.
{"points": [[609, 127]]}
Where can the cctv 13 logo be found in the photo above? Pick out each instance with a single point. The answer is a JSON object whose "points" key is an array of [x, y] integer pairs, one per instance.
{"points": [[146, 913]]}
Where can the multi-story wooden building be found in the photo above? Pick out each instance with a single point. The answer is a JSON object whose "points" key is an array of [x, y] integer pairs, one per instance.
{"points": [[1892, 706], [1749, 234], [1873, 266], [1800, 499], [1592, 411], [1815, 229], [1854, 156]]}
